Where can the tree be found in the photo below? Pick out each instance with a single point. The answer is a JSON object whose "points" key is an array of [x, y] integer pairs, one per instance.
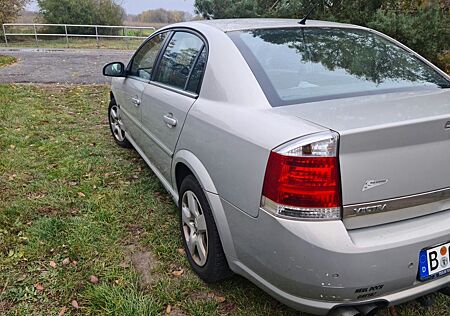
{"points": [[10, 9], [163, 16], [424, 25], [86, 12], [339, 9]]}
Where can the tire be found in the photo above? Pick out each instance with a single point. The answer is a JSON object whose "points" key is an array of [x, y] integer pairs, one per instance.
{"points": [[446, 291], [116, 125], [200, 234]]}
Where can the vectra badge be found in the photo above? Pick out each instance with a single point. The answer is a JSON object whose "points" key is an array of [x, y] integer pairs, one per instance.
{"points": [[370, 209], [447, 125], [370, 184]]}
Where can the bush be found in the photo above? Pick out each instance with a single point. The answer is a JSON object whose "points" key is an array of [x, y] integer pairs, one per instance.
{"points": [[86, 12]]}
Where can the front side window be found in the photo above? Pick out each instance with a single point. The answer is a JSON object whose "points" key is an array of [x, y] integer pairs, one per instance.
{"points": [[178, 59], [145, 58], [297, 65]]}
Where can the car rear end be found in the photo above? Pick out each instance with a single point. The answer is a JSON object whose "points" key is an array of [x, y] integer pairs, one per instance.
{"points": [[358, 215]]}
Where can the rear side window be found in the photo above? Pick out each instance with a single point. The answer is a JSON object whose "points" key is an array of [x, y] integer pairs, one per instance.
{"points": [[297, 65], [195, 80], [178, 59], [145, 58]]}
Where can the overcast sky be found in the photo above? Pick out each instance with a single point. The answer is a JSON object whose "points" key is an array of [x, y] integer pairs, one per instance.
{"points": [[137, 6]]}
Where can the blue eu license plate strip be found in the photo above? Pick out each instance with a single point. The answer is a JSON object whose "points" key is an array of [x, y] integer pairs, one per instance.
{"points": [[434, 262]]}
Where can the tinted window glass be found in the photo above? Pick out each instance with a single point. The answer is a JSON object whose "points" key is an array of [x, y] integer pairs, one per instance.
{"points": [[197, 73], [178, 59], [145, 58], [295, 65]]}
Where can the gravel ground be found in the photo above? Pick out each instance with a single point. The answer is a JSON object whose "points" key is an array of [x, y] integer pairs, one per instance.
{"points": [[64, 66]]}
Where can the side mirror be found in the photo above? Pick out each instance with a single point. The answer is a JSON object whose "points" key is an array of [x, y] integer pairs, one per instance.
{"points": [[114, 70]]}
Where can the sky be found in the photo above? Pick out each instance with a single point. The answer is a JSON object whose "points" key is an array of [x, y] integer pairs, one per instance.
{"points": [[137, 6]]}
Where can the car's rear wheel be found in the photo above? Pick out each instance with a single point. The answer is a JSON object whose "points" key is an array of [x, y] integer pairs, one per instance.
{"points": [[199, 233], [116, 125]]}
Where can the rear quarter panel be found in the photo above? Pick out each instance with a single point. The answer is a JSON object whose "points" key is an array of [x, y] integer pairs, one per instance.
{"points": [[231, 128]]}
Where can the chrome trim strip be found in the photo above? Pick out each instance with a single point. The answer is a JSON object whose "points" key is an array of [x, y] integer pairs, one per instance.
{"points": [[397, 203], [173, 89]]}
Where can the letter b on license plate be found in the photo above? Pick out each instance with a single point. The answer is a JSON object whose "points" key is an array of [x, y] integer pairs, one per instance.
{"points": [[434, 262]]}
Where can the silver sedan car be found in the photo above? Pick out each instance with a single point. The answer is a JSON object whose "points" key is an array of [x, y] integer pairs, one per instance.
{"points": [[312, 159]]}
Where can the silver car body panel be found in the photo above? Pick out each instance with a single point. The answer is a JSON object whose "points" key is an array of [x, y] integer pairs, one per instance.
{"points": [[225, 137], [159, 144], [371, 214], [400, 138]]}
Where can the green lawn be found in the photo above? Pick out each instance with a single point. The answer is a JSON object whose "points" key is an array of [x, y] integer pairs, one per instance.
{"points": [[78, 43], [73, 205], [6, 60]]}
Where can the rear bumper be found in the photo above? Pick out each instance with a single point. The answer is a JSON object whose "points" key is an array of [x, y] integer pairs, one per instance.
{"points": [[318, 266]]}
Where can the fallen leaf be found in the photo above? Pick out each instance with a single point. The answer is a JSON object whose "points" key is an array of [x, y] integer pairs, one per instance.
{"points": [[178, 273], [181, 251], [220, 299], [22, 278], [168, 309], [81, 194], [66, 261], [39, 287], [393, 311], [124, 265], [74, 263], [93, 279], [62, 311], [53, 264], [75, 304]]}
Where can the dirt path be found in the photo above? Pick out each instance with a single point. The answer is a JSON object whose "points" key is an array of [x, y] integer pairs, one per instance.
{"points": [[68, 66]]}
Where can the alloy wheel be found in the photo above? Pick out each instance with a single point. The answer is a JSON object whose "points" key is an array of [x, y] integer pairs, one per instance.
{"points": [[116, 123], [194, 228]]}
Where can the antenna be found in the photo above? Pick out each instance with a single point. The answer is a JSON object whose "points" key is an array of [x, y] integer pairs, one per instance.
{"points": [[303, 21]]}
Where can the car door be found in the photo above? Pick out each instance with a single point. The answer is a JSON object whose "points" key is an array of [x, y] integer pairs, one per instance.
{"points": [[169, 96], [139, 70]]}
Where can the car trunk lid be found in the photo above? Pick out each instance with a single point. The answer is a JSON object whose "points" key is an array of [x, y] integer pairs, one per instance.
{"points": [[394, 153]]}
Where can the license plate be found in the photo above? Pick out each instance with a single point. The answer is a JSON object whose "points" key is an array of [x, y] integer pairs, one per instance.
{"points": [[434, 262]]}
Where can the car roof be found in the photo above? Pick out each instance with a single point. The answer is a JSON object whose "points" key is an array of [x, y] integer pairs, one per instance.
{"points": [[230, 25]]}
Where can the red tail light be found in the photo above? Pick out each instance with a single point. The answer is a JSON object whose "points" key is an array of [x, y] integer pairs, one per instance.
{"points": [[302, 179]]}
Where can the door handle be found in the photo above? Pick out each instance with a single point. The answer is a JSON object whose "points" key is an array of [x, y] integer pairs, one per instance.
{"points": [[170, 121], [136, 101]]}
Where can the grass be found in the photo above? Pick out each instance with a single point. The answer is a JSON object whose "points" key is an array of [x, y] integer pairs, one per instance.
{"points": [[7, 60], [73, 204], [76, 43]]}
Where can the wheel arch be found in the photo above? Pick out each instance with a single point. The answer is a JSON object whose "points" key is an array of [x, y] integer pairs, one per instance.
{"points": [[111, 96], [185, 163]]}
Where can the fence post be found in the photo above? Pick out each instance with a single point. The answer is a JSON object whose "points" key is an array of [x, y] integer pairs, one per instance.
{"points": [[125, 33], [67, 36], [4, 34], [96, 35], [35, 35]]}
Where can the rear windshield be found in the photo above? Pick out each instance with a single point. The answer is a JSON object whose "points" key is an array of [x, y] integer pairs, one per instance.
{"points": [[298, 65]]}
